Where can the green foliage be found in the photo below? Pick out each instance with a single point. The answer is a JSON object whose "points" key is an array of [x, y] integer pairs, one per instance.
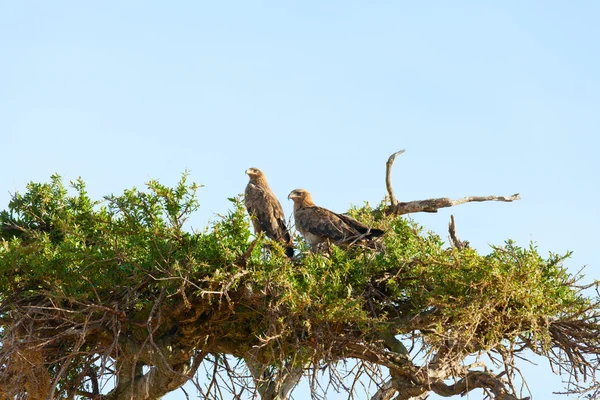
{"points": [[128, 252], [71, 245]]}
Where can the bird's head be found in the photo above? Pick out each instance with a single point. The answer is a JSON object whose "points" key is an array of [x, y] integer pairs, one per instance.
{"points": [[299, 195], [254, 173]]}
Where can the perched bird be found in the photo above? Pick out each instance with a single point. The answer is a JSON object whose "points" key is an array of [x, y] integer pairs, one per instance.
{"points": [[265, 210], [318, 224]]}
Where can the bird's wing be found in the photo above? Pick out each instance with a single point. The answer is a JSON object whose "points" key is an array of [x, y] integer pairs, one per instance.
{"points": [[266, 212], [360, 227], [323, 223]]}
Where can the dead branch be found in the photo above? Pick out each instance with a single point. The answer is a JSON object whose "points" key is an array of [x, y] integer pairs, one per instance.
{"points": [[456, 242], [388, 176], [430, 205]]}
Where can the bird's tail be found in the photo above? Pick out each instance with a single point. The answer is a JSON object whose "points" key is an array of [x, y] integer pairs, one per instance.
{"points": [[289, 251], [374, 232]]}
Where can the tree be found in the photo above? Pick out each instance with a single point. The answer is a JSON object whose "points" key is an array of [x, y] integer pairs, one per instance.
{"points": [[115, 299]]}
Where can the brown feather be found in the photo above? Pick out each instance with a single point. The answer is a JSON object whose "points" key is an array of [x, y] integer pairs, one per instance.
{"points": [[318, 224], [265, 210]]}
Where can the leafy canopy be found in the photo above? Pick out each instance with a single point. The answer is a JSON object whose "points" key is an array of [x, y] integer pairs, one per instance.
{"points": [[129, 263]]}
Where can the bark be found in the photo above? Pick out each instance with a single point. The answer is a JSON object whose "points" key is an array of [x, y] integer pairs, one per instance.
{"points": [[170, 367], [409, 381], [456, 242], [388, 176], [385, 392], [433, 205], [274, 384], [154, 384]]}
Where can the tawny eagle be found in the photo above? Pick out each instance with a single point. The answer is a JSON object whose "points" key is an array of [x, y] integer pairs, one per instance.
{"points": [[265, 210], [318, 224]]}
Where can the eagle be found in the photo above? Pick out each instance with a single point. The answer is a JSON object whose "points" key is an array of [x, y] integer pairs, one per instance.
{"points": [[265, 210], [319, 225]]}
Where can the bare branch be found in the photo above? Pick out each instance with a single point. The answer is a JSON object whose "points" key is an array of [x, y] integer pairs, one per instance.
{"points": [[454, 239], [429, 205], [469, 199], [432, 205], [388, 176]]}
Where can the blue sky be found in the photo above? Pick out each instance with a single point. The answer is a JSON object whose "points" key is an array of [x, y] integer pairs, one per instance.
{"points": [[487, 98]]}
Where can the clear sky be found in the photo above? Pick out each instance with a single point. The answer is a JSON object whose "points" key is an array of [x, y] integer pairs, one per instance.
{"points": [[487, 98]]}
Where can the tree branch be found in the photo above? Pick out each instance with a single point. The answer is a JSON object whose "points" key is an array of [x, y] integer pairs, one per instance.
{"points": [[429, 205], [456, 242], [432, 205], [388, 176], [408, 388], [273, 383], [158, 381], [475, 380], [385, 392]]}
